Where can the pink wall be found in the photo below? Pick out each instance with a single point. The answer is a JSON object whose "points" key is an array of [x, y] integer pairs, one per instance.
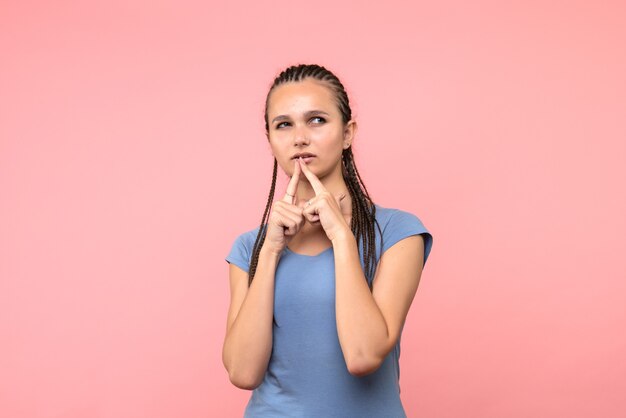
{"points": [[132, 153]]}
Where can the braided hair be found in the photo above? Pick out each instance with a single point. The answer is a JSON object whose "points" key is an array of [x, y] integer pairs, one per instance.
{"points": [[363, 209]]}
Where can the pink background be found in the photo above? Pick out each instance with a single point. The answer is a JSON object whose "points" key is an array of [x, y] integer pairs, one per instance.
{"points": [[132, 154]]}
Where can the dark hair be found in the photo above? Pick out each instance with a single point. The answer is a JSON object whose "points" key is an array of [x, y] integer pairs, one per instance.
{"points": [[363, 209]]}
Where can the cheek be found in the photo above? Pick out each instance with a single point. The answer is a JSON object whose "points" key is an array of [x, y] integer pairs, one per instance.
{"points": [[283, 157], [277, 149]]}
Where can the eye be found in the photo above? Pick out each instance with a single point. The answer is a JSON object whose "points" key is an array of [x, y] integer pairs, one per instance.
{"points": [[280, 124], [320, 118]]}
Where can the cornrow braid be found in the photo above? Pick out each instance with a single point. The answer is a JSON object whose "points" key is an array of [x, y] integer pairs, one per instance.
{"points": [[364, 212], [260, 238], [363, 208]]}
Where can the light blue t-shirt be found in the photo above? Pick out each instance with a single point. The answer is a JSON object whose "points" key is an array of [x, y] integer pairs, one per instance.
{"points": [[307, 375]]}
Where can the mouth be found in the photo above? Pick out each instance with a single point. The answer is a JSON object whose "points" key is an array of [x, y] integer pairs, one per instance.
{"points": [[304, 156]]}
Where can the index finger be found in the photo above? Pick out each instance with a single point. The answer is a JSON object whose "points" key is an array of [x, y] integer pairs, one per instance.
{"points": [[317, 185], [293, 185]]}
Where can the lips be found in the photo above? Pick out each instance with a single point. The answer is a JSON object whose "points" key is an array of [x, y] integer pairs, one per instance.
{"points": [[303, 155]]}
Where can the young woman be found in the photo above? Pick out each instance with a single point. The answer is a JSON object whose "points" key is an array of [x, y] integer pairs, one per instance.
{"points": [[321, 289]]}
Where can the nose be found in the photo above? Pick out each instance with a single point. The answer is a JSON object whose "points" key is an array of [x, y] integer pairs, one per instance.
{"points": [[300, 136]]}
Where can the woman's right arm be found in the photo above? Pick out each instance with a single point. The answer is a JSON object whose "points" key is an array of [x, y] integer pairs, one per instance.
{"points": [[248, 342]]}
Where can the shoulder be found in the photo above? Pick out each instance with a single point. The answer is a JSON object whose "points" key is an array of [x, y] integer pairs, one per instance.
{"points": [[246, 239], [241, 249], [397, 224], [393, 217]]}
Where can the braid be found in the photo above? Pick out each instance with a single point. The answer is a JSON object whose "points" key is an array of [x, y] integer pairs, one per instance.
{"points": [[363, 215], [260, 238], [363, 208]]}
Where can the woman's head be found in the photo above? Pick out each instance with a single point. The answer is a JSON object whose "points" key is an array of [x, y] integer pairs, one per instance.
{"points": [[307, 110]]}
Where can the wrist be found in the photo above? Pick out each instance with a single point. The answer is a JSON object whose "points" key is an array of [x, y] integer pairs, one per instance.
{"points": [[267, 252], [343, 235]]}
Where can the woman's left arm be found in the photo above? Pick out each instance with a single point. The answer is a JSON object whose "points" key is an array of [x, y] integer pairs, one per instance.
{"points": [[369, 323]]}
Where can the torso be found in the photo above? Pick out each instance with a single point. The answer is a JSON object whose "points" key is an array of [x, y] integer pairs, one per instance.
{"points": [[304, 316]]}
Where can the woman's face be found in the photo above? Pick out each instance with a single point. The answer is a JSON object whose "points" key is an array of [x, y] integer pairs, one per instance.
{"points": [[303, 117]]}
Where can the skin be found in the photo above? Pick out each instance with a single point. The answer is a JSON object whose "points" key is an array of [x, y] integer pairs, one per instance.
{"points": [[368, 323]]}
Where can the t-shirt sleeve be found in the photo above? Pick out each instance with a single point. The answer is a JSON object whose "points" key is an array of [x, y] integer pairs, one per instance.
{"points": [[404, 224], [240, 253]]}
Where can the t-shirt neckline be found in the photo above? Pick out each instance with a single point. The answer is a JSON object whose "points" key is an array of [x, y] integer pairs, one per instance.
{"points": [[306, 255]]}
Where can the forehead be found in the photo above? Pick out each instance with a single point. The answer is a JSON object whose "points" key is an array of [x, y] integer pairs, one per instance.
{"points": [[300, 96]]}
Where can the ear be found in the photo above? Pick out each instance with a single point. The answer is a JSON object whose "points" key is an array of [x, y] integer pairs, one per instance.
{"points": [[349, 133]]}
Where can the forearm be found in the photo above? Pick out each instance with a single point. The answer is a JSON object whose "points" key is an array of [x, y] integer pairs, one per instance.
{"points": [[248, 344], [361, 327]]}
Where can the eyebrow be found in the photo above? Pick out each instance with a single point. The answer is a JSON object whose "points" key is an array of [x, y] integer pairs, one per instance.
{"points": [[306, 114]]}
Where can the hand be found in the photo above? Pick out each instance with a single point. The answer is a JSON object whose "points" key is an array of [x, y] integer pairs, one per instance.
{"points": [[286, 218], [325, 208]]}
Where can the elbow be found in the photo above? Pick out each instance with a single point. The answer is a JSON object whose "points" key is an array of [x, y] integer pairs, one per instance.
{"points": [[360, 366], [243, 378], [242, 374], [244, 381]]}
